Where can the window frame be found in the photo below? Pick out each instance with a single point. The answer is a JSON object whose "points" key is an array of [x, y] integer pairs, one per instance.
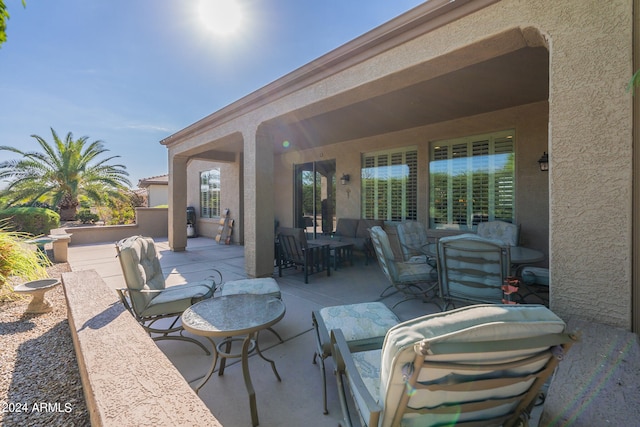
{"points": [[383, 195], [481, 160], [210, 193]]}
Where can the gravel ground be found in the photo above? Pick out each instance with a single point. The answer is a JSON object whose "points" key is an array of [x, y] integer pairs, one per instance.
{"points": [[39, 378]]}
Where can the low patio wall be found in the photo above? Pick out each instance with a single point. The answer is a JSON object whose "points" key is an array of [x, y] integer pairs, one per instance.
{"points": [[151, 222], [127, 380]]}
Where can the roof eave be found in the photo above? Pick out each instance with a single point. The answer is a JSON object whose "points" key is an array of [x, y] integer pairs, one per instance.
{"points": [[424, 18]]}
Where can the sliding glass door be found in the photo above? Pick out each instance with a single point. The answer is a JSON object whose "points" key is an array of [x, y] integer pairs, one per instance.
{"points": [[314, 197]]}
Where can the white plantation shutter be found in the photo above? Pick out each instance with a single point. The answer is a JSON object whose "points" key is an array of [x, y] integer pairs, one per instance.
{"points": [[389, 185], [472, 180]]}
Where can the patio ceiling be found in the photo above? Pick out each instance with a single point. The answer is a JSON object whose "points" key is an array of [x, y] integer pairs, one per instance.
{"points": [[422, 95], [517, 78]]}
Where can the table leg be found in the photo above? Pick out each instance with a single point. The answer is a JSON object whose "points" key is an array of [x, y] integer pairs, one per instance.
{"points": [[273, 364], [223, 359], [247, 379], [213, 366]]}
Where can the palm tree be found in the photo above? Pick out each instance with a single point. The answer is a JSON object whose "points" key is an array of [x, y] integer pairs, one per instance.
{"points": [[62, 173]]}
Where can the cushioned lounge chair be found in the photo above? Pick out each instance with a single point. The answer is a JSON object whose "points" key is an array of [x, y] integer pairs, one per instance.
{"points": [[148, 298], [364, 326], [480, 365]]}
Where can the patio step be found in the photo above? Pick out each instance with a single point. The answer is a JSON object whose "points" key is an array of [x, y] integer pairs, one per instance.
{"points": [[127, 380]]}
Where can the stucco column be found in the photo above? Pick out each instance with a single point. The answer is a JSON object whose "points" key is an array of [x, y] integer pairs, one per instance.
{"points": [[258, 203], [177, 203]]}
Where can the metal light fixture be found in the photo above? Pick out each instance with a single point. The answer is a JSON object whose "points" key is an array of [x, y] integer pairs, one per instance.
{"points": [[344, 179], [544, 162]]}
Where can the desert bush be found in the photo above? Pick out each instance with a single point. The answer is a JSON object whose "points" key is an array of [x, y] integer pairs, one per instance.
{"points": [[30, 220], [18, 259], [87, 217]]}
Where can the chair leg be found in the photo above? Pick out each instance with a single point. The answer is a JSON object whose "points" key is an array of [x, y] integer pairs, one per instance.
{"points": [[323, 372], [343, 400], [165, 333], [384, 293]]}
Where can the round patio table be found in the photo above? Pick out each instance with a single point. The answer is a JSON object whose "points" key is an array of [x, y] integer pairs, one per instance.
{"points": [[226, 317]]}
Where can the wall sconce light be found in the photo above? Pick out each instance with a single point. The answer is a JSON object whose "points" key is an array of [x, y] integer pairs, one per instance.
{"points": [[544, 162], [344, 179]]}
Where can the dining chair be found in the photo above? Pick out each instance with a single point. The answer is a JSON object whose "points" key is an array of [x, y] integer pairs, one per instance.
{"points": [[480, 365], [295, 251], [413, 238], [504, 231], [472, 269], [534, 284], [413, 280]]}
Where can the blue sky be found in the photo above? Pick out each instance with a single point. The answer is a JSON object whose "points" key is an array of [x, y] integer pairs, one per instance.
{"points": [[132, 72]]}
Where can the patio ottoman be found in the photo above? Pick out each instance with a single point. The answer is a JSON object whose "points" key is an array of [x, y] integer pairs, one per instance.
{"points": [[260, 286], [364, 326]]}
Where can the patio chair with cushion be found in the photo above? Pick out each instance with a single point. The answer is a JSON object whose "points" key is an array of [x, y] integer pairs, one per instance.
{"points": [[148, 298], [413, 237], [534, 285], [472, 269], [364, 326], [480, 365], [504, 231], [295, 251], [411, 279]]}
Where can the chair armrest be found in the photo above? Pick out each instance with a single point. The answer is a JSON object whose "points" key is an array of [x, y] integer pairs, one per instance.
{"points": [[144, 291], [346, 366], [216, 279], [321, 330]]}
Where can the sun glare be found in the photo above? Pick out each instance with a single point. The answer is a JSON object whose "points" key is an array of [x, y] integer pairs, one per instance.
{"points": [[221, 17]]}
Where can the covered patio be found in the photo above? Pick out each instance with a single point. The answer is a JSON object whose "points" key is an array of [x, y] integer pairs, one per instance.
{"points": [[409, 93], [297, 400]]}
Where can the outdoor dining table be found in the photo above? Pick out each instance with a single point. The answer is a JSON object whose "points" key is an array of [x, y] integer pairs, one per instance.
{"points": [[519, 254]]}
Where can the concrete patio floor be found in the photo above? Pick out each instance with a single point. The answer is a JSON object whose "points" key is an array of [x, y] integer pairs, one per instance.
{"points": [[297, 400]]}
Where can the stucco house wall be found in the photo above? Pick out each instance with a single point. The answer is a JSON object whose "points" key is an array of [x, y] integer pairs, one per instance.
{"points": [[589, 135], [532, 186], [158, 195], [229, 190]]}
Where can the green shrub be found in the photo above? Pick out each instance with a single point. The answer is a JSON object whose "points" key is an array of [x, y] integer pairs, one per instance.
{"points": [[87, 217], [30, 220], [18, 260]]}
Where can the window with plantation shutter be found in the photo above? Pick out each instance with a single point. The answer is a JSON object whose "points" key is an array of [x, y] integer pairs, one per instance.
{"points": [[210, 193], [472, 180], [389, 185]]}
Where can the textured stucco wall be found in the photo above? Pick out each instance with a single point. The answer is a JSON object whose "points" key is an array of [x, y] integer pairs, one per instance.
{"points": [[229, 190]]}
